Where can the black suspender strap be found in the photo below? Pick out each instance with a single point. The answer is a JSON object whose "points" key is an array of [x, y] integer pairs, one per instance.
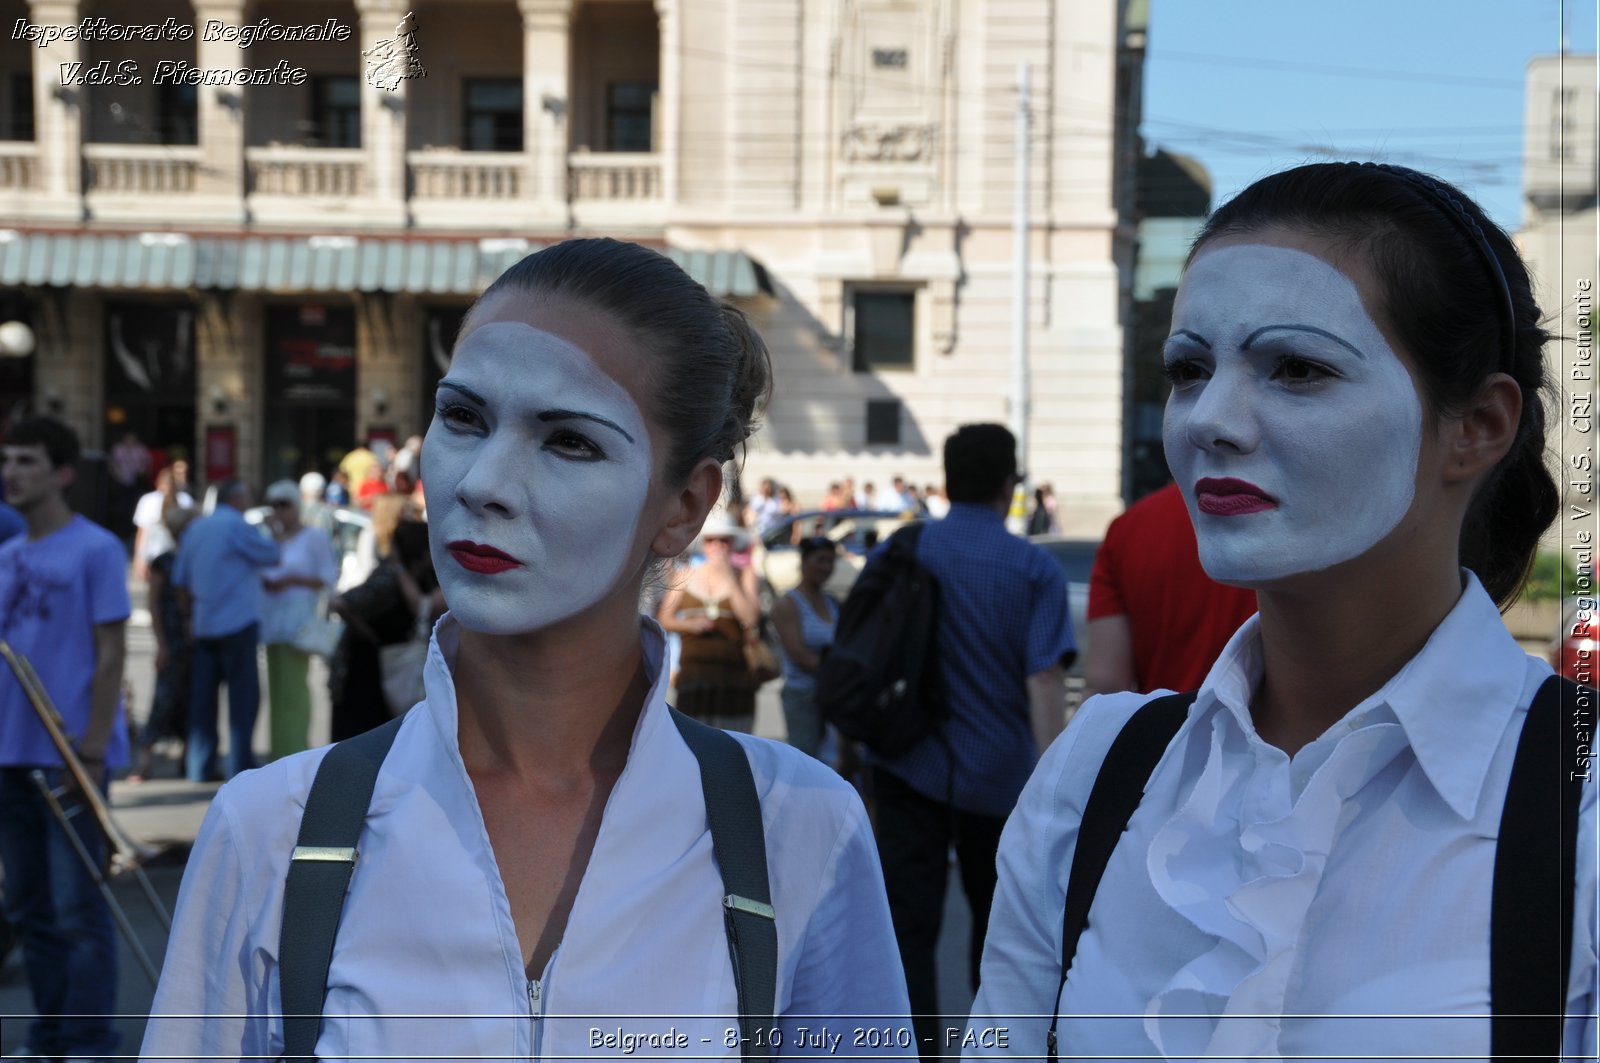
{"points": [[1118, 789], [1535, 876], [733, 813], [319, 874]]}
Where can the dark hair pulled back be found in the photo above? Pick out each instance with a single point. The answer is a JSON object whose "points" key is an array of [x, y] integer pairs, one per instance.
{"points": [[710, 372], [1443, 303]]}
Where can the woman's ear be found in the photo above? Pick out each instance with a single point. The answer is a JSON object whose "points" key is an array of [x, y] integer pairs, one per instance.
{"points": [[688, 508], [1476, 439]]}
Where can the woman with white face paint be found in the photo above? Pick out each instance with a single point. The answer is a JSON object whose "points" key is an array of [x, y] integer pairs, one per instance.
{"points": [[536, 873], [1301, 859]]}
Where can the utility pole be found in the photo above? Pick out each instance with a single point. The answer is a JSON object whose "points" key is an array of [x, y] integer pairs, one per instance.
{"points": [[1019, 311]]}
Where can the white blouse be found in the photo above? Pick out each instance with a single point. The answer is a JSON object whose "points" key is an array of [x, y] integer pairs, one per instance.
{"points": [[427, 961], [1333, 904], [308, 552]]}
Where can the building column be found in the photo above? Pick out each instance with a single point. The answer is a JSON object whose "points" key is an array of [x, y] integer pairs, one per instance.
{"points": [[670, 93], [383, 111], [546, 44], [220, 116], [58, 116]]}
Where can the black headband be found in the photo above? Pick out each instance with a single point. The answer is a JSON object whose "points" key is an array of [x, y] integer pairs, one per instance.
{"points": [[1452, 207]]}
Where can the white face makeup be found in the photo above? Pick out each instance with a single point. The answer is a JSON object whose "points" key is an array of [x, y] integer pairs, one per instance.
{"points": [[536, 470], [1293, 429]]}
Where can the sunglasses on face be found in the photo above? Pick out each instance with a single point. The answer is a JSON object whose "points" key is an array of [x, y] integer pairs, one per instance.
{"points": [[280, 504]]}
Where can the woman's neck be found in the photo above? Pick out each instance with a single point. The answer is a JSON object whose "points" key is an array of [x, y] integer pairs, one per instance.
{"points": [[555, 705], [1330, 643]]}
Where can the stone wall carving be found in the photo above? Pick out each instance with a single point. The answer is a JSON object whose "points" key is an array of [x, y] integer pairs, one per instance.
{"points": [[883, 142]]}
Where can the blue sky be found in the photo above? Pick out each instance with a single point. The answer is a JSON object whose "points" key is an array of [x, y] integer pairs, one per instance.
{"points": [[1253, 86]]}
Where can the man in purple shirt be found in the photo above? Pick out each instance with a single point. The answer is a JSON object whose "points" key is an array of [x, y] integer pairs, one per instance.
{"points": [[63, 605]]}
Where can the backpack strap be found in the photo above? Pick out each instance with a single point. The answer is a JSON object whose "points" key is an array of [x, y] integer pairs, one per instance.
{"points": [[1535, 860], [319, 874], [733, 812], [1118, 789]]}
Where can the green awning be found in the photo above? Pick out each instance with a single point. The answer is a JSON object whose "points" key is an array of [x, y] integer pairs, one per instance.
{"points": [[177, 261]]}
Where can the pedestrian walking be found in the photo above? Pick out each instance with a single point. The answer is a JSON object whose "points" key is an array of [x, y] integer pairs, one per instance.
{"points": [[1367, 834], [804, 620], [169, 703], [381, 611], [539, 843], [717, 613], [218, 575], [151, 538], [294, 590], [64, 606], [1004, 636]]}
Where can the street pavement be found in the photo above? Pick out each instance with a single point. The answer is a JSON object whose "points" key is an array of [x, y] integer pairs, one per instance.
{"points": [[166, 811]]}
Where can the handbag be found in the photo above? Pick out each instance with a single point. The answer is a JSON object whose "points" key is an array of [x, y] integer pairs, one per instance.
{"points": [[401, 665], [318, 635], [760, 662]]}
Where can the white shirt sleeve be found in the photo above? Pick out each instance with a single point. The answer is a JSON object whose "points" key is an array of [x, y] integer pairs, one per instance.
{"points": [[1021, 973], [211, 1003], [849, 994]]}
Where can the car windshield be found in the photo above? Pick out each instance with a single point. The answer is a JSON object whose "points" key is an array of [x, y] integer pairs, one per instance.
{"points": [[855, 532]]}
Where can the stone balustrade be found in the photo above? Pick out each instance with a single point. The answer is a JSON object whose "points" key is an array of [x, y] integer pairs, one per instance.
{"points": [[140, 169], [295, 171], [19, 165], [614, 176], [472, 175]]}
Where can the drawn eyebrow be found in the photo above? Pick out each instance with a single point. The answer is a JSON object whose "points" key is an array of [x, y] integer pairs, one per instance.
{"points": [[569, 415], [1201, 340], [1324, 333], [468, 392]]}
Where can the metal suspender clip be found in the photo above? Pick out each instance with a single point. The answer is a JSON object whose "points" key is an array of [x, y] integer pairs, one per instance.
{"points": [[745, 904], [324, 854]]}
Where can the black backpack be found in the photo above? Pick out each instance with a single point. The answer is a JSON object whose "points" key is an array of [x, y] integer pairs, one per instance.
{"points": [[879, 683]]}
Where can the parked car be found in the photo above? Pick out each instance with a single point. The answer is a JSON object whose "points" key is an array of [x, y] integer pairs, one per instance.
{"points": [[1076, 558], [856, 531], [1573, 654]]}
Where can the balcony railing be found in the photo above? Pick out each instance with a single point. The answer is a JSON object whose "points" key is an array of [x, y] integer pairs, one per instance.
{"points": [[280, 171], [19, 164], [140, 169], [615, 176], [474, 175]]}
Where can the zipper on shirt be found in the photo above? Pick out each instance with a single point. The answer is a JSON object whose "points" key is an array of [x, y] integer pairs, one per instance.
{"points": [[535, 1011]]}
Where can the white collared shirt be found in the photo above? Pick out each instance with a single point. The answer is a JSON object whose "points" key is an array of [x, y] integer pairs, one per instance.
{"points": [[1333, 904], [427, 961]]}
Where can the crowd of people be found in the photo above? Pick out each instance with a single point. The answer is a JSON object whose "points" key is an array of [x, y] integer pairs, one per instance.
{"points": [[1300, 822]]}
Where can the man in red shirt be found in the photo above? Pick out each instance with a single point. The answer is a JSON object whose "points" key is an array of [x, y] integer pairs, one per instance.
{"points": [[1156, 620]]}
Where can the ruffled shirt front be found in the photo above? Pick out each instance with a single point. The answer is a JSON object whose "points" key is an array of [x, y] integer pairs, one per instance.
{"points": [[427, 961], [1333, 904]]}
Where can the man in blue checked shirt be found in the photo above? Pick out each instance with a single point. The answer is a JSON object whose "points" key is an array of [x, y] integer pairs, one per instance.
{"points": [[1004, 641]]}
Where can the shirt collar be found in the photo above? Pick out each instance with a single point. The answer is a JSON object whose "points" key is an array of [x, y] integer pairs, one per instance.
{"points": [[1454, 699], [974, 511]]}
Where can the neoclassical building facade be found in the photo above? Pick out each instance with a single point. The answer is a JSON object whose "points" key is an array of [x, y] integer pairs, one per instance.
{"points": [[252, 242]]}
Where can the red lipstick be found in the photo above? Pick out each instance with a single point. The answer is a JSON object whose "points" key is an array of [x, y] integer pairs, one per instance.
{"points": [[475, 557], [1228, 497]]}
